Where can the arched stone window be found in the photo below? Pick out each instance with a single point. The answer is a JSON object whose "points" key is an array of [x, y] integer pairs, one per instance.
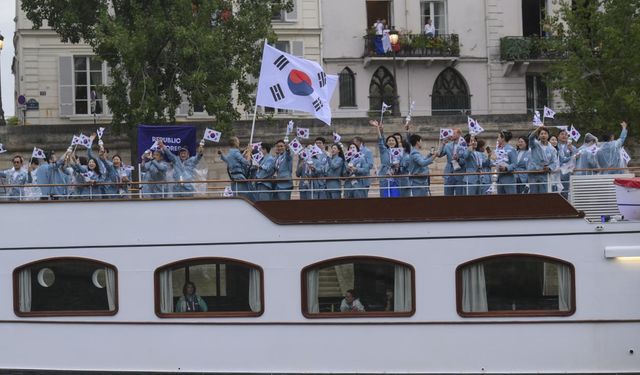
{"points": [[450, 94], [347, 88], [381, 89]]}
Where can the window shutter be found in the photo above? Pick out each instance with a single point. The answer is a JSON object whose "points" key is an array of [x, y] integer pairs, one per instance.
{"points": [[65, 85], [293, 15], [107, 82], [297, 48]]}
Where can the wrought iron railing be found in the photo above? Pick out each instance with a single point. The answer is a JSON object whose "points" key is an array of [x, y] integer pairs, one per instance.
{"points": [[416, 45], [520, 48]]}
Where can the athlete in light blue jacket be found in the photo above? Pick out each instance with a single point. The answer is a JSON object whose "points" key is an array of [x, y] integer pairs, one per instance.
{"points": [[542, 159]]}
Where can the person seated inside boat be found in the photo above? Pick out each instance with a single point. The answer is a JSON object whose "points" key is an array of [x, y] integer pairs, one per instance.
{"points": [[351, 303], [190, 301]]}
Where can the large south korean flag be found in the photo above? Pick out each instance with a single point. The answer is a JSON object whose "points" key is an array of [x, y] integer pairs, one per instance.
{"points": [[289, 82]]}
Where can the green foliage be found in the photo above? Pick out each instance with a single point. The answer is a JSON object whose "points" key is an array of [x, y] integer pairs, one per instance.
{"points": [[13, 120], [513, 49], [160, 51], [599, 76]]}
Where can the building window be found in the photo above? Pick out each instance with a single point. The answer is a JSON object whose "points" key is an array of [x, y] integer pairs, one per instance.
{"points": [[65, 287], [437, 12], [537, 93], [88, 75], [347, 80], [515, 285], [381, 89], [284, 16], [450, 94], [362, 286], [209, 287]]}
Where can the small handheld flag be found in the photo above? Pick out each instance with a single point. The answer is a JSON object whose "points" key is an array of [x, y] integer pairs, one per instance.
{"points": [[474, 126], [295, 146], [445, 133], [625, 156], [2, 149], [385, 107], [228, 192], [315, 150], [305, 154], [75, 140], [336, 137], [212, 135], [289, 127], [536, 119], [302, 133], [100, 132], [85, 141], [574, 133], [462, 142], [256, 146], [548, 112], [38, 153], [257, 157], [154, 146]]}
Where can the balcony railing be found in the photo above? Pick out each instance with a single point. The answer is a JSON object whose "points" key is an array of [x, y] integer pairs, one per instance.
{"points": [[520, 48], [417, 45]]}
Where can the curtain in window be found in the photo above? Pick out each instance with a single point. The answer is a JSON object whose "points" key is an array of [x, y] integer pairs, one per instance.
{"points": [[550, 279], [474, 290], [24, 286], [110, 277], [344, 273], [254, 290], [166, 292], [402, 289], [312, 291], [564, 288]]}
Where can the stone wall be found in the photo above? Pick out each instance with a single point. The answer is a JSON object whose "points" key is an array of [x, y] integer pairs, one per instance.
{"points": [[22, 139]]}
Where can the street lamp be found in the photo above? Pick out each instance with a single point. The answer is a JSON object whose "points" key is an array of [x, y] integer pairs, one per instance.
{"points": [[393, 37], [2, 121]]}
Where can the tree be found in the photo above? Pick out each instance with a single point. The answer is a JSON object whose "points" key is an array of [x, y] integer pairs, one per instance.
{"points": [[162, 52], [599, 73]]}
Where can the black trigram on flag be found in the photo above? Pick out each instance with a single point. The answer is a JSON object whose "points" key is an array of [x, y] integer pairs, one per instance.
{"points": [[281, 62], [322, 79], [277, 92], [317, 104]]}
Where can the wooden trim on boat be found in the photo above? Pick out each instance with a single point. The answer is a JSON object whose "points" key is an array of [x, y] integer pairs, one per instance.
{"points": [[383, 210], [208, 314], [16, 292], [516, 313], [373, 314]]}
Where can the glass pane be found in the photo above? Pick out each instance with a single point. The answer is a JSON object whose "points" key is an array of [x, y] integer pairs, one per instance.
{"points": [[81, 92], [98, 107], [66, 285], [81, 78], [82, 107], [96, 64], [282, 46], [80, 63], [360, 287], [96, 78], [204, 276], [178, 280]]}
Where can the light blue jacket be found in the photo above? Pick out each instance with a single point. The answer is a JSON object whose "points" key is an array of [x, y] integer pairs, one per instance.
{"points": [[335, 170], [284, 169], [512, 160], [448, 151], [522, 160], [265, 170], [367, 164], [419, 166], [237, 165], [541, 156], [154, 171], [386, 168], [609, 154], [53, 173], [16, 178], [183, 170]]}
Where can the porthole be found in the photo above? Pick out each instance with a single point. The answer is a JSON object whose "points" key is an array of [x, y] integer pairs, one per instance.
{"points": [[46, 277], [99, 278]]}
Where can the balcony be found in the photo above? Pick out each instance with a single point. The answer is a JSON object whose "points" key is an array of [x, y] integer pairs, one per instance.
{"points": [[445, 47], [520, 48]]}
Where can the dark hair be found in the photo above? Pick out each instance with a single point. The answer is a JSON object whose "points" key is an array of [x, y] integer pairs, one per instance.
{"points": [[184, 287], [398, 135], [48, 155], [18, 157], [480, 145], [606, 137], [97, 170], [526, 140], [467, 138], [266, 146], [340, 152], [506, 135], [35, 161], [406, 146], [117, 156], [391, 137], [543, 130], [106, 150], [279, 141], [359, 139], [352, 292], [322, 139], [414, 139], [353, 143], [82, 160]]}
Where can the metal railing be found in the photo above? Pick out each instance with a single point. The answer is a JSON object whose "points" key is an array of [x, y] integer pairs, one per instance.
{"points": [[521, 48], [303, 188], [416, 45]]}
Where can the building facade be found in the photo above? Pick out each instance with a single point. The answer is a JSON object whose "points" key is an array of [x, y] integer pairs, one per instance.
{"points": [[467, 66]]}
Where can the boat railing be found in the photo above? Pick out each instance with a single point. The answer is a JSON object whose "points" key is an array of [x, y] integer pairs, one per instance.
{"points": [[474, 183]]}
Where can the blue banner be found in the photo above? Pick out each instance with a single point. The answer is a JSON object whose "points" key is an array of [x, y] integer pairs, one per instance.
{"points": [[173, 136]]}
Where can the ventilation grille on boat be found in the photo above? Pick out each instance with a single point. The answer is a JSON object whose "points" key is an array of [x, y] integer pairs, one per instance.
{"points": [[595, 195]]}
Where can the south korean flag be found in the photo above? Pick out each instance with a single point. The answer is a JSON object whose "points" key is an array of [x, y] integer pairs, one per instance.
{"points": [[212, 135], [2, 149], [290, 82]]}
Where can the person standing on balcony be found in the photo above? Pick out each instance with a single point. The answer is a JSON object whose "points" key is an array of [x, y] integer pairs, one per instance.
{"points": [[429, 30], [379, 30]]}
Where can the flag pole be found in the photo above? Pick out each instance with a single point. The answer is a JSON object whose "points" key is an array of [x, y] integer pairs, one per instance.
{"points": [[255, 108]]}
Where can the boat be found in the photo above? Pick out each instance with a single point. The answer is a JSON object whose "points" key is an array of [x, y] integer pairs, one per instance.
{"points": [[479, 285]]}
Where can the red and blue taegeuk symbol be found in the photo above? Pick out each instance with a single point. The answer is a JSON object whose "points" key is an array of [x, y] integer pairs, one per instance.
{"points": [[299, 83]]}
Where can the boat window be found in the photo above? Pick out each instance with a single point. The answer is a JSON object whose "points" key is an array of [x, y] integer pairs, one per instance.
{"points": [[358, 287], [206, 287], [515, 285], [65, 287]]}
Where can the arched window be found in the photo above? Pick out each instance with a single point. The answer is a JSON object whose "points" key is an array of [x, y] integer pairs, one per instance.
{"points": [[381, 89], [209, 287], [515, 285], [450, 94], [65, 287], [347, 88], [358, 286]]}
